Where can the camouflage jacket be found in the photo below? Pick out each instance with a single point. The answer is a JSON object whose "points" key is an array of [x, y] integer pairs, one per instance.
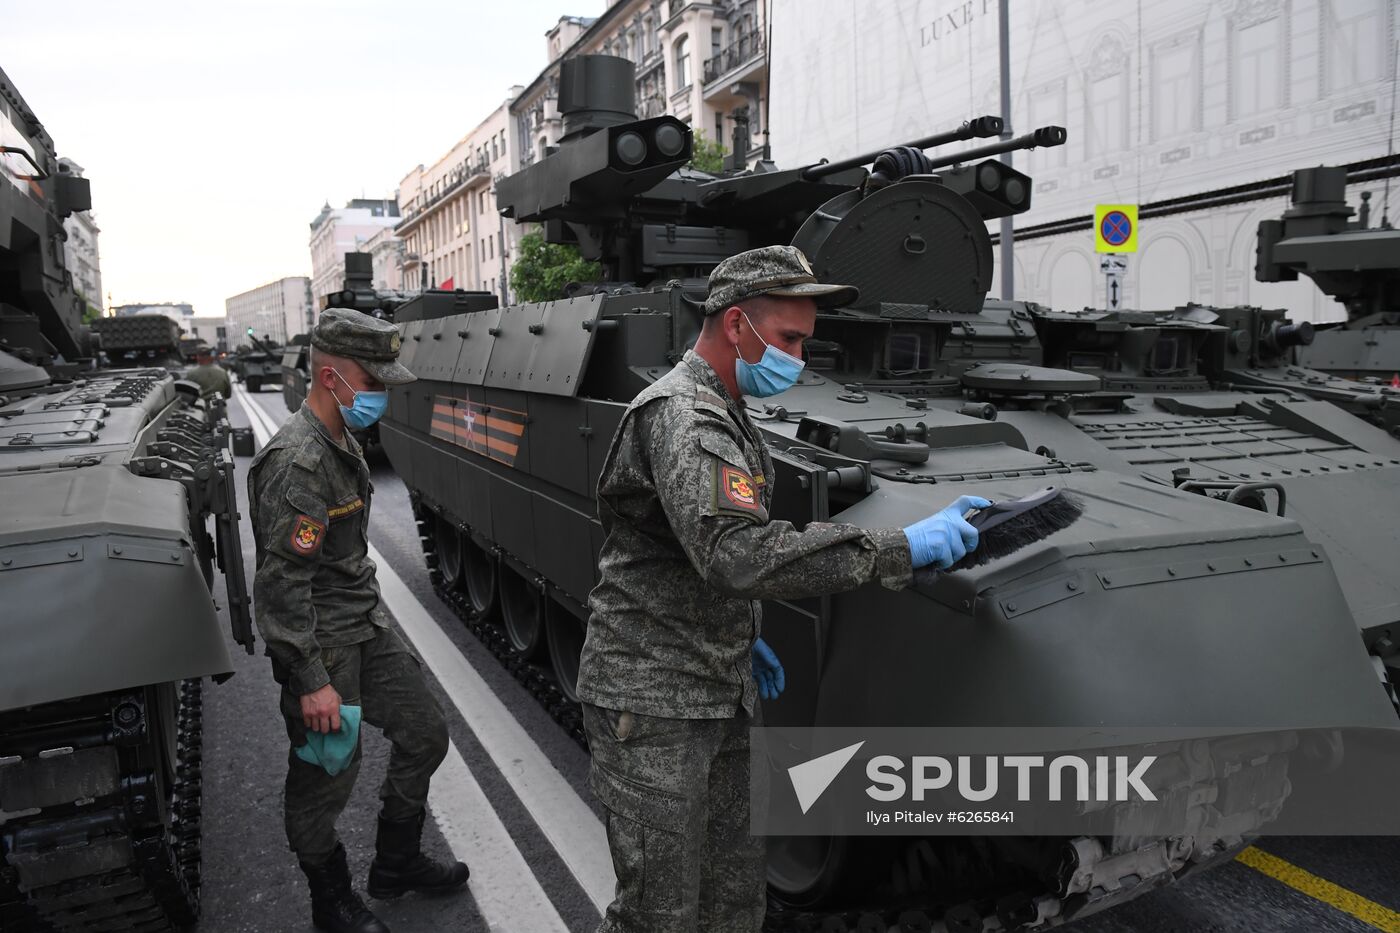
{"points": [[689, 548], [314, 586], [211, 380]]}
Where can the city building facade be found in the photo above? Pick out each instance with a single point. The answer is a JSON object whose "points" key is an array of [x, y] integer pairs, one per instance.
{"points": [[453, 236], [1160, 101], [337, 231], [386, 251], [210, 330], [276, 311], [181, 312], [80, 255], [705, 63]]}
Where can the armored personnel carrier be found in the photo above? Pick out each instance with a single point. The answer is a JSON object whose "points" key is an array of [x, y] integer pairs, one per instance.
{"points": [[1351, 261], [108, 478], [1145, 613]]}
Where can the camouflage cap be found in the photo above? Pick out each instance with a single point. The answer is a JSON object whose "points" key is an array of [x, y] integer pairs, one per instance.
{"points": [[780, 271], [369, 341]]}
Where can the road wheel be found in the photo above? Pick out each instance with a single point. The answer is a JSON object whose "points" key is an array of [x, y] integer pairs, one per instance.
{"points": [[448, 542], [566, 632], [803, 870], [523, 611], [479, 574]]}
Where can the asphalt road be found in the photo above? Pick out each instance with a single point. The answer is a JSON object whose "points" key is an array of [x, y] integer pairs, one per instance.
{"points": [[532, 833]]}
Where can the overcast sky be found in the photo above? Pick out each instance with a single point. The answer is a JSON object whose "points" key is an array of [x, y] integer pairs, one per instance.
{"points": [[214, 132]]}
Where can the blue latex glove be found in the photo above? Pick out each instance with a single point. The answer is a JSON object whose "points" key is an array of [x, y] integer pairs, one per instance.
{"points": [[333, 751], [767, 671], [944, 538]]}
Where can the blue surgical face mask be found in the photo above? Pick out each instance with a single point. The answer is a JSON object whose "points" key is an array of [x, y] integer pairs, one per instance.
{"points": [[774, 373], [368, 407]]}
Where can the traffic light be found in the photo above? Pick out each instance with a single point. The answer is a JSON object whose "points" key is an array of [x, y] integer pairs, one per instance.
{"points": [[250, 332]]}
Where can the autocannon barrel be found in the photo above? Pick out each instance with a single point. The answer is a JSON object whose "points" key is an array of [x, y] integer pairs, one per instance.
{"points": [[977, 127], [1045, 136]]}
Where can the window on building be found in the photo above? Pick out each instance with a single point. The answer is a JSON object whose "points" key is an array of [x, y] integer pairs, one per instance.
{"points": [[1047, 108], [1256, 73], [716, 40], [1175, 87], [719, 128], [1106, 103], [1354, 34], [682, 62]]}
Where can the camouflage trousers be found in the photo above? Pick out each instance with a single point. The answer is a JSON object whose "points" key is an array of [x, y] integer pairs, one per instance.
{"points": [[677, 797], [386, 680]]}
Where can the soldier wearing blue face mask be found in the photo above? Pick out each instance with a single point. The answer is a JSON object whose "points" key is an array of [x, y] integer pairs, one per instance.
{"points": [[673, 665], [333, 650]]}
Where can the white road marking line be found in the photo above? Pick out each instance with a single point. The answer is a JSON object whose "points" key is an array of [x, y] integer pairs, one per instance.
{"points": [[567, 822], [506, 890], [571, 827]]}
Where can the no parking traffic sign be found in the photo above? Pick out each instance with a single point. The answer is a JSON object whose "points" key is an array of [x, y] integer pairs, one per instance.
{"points": [[1115, 228]]}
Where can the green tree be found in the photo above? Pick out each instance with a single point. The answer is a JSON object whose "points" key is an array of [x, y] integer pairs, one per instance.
{"points": [[91, 313], [707, 155], [541, 270]]}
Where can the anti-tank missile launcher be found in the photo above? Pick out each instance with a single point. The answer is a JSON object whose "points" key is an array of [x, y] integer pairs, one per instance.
{"points": [[502, 438]]}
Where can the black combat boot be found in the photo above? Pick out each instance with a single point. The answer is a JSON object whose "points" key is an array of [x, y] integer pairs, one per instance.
{"points": [[335, 907], [400, 866]]}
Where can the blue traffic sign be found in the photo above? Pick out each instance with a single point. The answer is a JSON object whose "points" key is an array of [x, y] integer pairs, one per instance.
{"points": [[1116, 228]]}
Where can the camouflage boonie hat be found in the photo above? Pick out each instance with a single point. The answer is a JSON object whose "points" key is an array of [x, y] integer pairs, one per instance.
{"points": [[780, 271], [372, 343]]}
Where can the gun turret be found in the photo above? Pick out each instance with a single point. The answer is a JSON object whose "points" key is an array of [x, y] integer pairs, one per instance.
{"points": [[359, 292], [1357, 265], [617, 187]]}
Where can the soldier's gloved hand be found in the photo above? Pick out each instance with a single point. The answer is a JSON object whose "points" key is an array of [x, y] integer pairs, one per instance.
{"points": [[944, 538], [767, 671], [320, 711]]}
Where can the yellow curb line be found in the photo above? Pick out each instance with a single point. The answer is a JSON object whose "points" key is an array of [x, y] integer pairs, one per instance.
{"points": [[1334, 895]]}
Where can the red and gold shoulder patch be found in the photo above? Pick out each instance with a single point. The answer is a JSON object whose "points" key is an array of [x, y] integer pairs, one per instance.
{"points": [[738, 488], [307, 534]]}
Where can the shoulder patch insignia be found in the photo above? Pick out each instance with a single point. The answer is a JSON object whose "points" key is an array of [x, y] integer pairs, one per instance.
{"points": [[738, 488], [307, 534]]}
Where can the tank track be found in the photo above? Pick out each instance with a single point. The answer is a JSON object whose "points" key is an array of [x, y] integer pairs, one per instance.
{"points": [[120, 858], [909, 906]]}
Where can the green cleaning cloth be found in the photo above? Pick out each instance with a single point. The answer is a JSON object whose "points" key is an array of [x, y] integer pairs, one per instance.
{"points": [[333, 750]]}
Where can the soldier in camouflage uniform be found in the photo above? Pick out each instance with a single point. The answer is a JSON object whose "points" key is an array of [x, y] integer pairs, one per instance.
{"points": [[317, 605], [211, 379], [669, 664]]}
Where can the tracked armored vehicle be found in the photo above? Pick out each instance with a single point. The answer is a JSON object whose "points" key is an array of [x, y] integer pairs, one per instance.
{"points": [[1355, 263], [1140, 615], [108, 478], [258, 363], [295, 360]]}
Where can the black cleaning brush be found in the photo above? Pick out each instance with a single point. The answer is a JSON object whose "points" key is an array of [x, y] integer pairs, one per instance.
{"points": [[1008, 525]]}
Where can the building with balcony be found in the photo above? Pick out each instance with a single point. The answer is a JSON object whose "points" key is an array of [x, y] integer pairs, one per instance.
{"points": [[706, 63], [80, 255], [386, 252], [337, 231], [276, 311], [451, 233]]}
